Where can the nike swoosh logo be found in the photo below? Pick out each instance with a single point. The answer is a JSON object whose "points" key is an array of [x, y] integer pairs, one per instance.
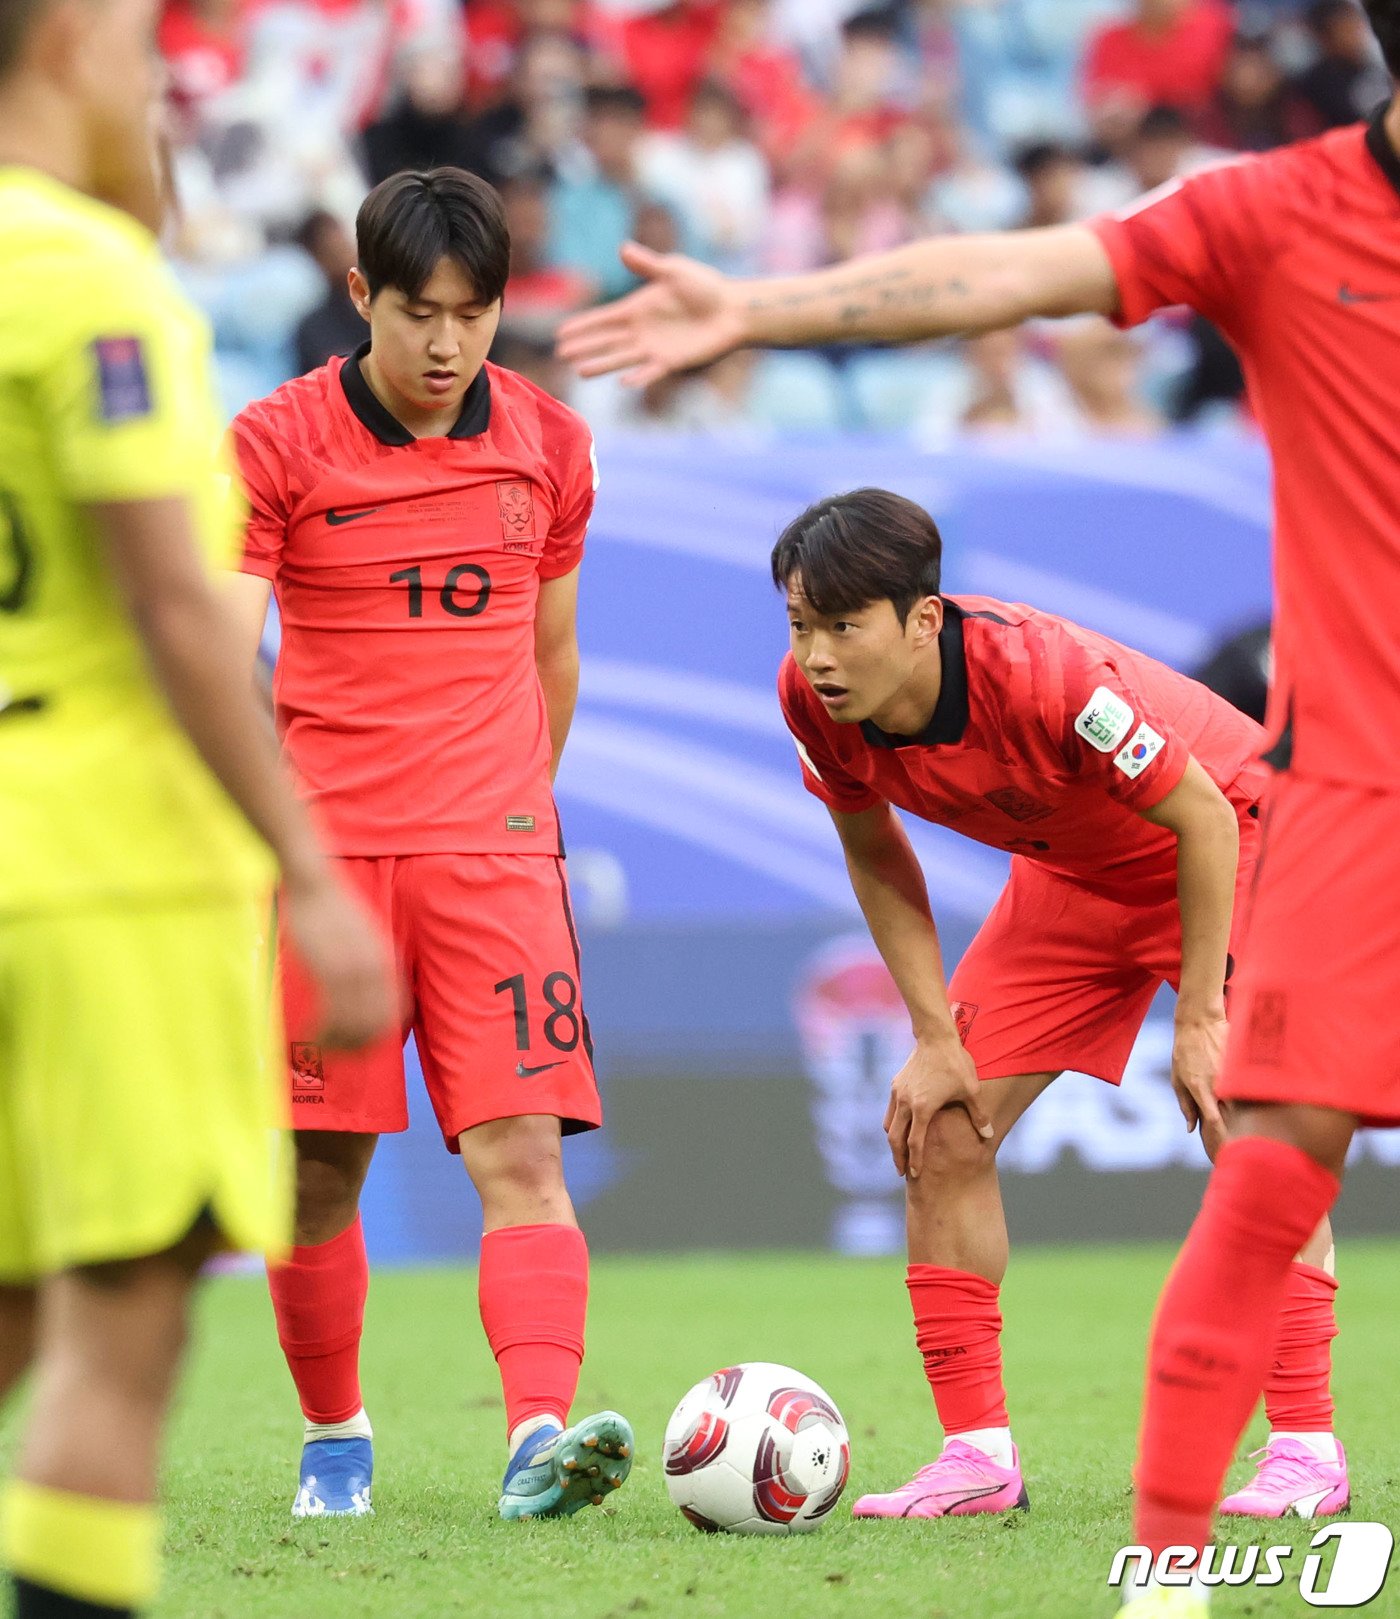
{"points": [[335, 519], [1345, 295], [529, 1073]]}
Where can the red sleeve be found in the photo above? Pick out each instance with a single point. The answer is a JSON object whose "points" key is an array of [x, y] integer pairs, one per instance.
{"points": [[1108, 733], [1202, 241], [821, 774], [265, 479], [563, 546]]}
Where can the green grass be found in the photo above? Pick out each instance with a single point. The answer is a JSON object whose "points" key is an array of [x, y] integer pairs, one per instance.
{"points": [[1076, 1322]]}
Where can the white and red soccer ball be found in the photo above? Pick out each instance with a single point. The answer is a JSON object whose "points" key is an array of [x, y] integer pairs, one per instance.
{"points": [[757, 1449]]}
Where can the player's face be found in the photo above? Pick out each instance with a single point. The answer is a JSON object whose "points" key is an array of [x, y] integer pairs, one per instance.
{"points": [[117, 82], [857, 662], [429, 348]]}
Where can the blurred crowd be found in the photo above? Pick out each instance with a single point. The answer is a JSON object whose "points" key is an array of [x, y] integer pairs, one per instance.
{"points": [[759, 135]]}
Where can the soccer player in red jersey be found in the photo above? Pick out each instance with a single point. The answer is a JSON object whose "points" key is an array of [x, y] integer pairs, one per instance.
{"points": [[421, 516], [1129, 797], [1295, 254]]}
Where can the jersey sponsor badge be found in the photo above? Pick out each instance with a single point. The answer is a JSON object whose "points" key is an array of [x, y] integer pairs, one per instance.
{"points": [[1105, 720], [1139, 752], [123, 387]]}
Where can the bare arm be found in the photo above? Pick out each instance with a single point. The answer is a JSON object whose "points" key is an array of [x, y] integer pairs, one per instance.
{"points": [[556, 657], [687, 314], [889, 884], [194, 651], [246, 597], [1207, 857]]}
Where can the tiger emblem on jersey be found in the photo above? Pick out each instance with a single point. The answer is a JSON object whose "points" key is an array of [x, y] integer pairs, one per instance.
{"points": [[517, 503]]}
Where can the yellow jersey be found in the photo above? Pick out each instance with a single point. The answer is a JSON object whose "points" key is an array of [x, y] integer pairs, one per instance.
{"points": [[105, 395]]}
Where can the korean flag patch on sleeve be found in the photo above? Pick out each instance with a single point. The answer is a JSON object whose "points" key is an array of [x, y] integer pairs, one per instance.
{"points": [[1106, 719], [1139, 751]]}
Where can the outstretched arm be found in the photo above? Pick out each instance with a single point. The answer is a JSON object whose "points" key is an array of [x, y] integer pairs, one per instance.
{"points": [[688, 314]]}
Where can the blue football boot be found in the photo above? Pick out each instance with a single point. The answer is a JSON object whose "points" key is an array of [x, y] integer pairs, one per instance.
{"points": [[335, 1479], [554, 1473]]}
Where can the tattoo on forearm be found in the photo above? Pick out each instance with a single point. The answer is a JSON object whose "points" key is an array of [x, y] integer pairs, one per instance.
{"points": [[868, 295]]}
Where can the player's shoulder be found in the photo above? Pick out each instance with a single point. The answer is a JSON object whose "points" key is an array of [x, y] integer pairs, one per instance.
{"points": [[72, 261], [285, 413], [553, 429]]}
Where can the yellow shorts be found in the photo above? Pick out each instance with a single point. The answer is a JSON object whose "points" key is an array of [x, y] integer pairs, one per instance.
{"points": [[140, 1084]]}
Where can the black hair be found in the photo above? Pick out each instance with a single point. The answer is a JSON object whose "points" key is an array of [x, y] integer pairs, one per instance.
{"points": [[626, 99], [875, 22], [412, 220], [865, 546], [16, 16], [1163, 120], [1385, 23], [1033, 159]]}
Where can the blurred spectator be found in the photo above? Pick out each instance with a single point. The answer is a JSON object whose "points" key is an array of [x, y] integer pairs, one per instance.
{"points": [[1348, 80], [663, 50], [537, 119], [1252, 109], [1167, 53], [973, 192], [712, 177], [866, 102], [539, 294], [205, 46], [1215, 377], [425, 129], [1008, 389], [1161, 149], [767, 78], [534, 359], [598, 192], [335, 326], [1102, 366], [496, 30], [1053, 177]]}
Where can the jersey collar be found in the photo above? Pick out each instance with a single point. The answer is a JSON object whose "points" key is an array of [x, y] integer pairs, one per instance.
{"points": [[473, 420], [950, 716], [1378, 144]]}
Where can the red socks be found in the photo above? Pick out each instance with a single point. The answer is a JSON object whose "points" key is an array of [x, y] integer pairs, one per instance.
{"points": [[1298, 1394], [1216, 1327], [533, 1288], [318, 1297], [957, 1325]]}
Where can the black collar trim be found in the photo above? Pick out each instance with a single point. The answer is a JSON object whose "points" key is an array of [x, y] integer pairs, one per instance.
{"points": [[473, 419], [1378, 144], [950, 717]]}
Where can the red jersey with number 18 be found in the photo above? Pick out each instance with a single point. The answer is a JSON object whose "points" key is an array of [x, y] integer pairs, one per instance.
{"points": [[1295, 255], [407, 572]]}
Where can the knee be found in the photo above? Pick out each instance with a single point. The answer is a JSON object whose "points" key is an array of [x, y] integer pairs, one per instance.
{"points": [[953, 1151], [328, 1194], [516, 1162]]}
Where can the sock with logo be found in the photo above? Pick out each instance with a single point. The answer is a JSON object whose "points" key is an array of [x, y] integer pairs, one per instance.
{"points": [[1216, 1327], [1298, 1394], [79, 1556], [533, 1292], [957, 1326], [318, 1298]]}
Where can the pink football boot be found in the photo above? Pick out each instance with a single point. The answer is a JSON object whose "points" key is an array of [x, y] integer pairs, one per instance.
{"points": [[1291, 1482], [961, 1482]]}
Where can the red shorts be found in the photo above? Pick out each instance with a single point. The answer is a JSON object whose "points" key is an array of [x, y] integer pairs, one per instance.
{"points": [[1317, 1007], [486, 945], [1062, 978]]}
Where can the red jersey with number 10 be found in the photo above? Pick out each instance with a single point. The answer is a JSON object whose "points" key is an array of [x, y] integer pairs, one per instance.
{"points": [[1295, 255], [407, 573]]}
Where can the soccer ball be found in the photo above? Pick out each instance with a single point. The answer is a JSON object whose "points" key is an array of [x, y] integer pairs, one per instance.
{"points": [[756, 1449]]}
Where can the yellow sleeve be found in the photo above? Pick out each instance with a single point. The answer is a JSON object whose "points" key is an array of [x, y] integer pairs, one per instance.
{"points": [[124, 384]]}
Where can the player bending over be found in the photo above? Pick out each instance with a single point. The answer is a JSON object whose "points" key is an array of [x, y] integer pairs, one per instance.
{"points": [[1295, 255], [138, 796], [421, 515], [1128, 796]]}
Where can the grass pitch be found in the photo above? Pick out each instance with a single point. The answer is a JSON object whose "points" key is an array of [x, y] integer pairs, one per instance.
{"points": [[1076, 1323]]}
